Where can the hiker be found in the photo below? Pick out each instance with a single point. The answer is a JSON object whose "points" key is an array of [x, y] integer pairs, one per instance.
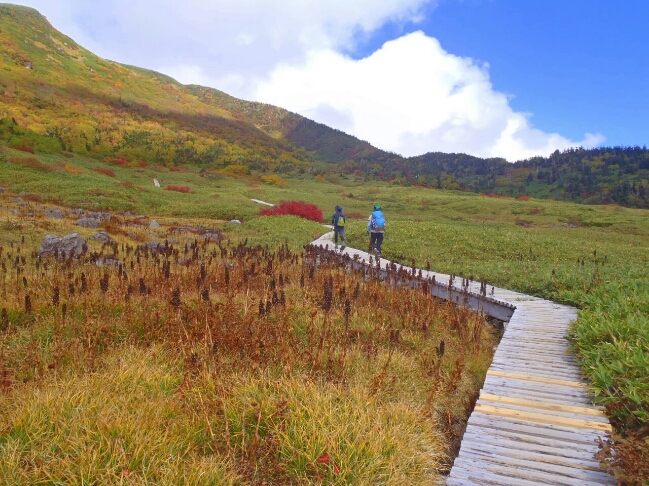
{"points": [[338, 221], [376, 229]]}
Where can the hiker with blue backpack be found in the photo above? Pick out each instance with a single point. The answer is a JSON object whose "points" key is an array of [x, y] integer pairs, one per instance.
{"points": [[338, 221], [376, 229]]}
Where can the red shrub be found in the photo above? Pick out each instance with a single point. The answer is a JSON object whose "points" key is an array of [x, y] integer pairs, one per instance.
{"points": [[22, 148], [117, 161], [174, 169], [184, 189], [356, 215], [523, 198], [296, 208], [107, 172], [32, 162]]}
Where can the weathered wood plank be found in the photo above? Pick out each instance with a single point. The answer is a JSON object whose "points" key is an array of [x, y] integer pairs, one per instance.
{"points": [[468, 476], [552, 431], [476, 434], [552, 413], [536, 369], [583, 400], [555, 471], [549, 456], [543, 418], [541, 405], [516, 376], [526, 471]]}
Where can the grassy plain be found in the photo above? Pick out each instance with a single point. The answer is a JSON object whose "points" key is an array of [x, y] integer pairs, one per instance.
{"points": [[593, 257]]}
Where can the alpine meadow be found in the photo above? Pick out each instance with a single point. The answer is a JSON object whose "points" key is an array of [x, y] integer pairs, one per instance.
{"points": [[196, 337]]}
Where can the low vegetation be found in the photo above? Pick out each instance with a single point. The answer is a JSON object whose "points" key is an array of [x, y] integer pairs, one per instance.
{"points": [[207, 363]]}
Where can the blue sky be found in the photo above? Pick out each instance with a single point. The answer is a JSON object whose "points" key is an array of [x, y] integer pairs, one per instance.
{"points": [[492, 78], [577, 65]]}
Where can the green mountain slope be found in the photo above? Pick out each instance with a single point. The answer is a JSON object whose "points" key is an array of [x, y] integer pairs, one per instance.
{"points": [[52, 87]]}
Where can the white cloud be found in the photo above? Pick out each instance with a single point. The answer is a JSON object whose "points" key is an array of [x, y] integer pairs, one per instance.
{"points": [[224, 37], [411, 97]]}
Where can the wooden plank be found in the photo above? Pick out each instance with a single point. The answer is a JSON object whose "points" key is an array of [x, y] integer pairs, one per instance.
{"points": [[543, 418], [548, 381], [548, 456], [521, 363], [568, 415], [566, 369], [584, 401], [538, 355], [470, 476], [519, 345], [497, 386], [551, 431], [538, 395], [550, 468], [541, 405], [532, 442], [520, 473]]}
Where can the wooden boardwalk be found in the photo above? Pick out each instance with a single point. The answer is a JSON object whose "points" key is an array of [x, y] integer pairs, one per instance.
{"points": [[534, 422]]}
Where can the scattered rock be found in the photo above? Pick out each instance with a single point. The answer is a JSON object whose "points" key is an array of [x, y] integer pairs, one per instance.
{"points": [[17, 199], [154, 224], [54, 213], [75, 212], [88, 223], [103, 237], [99, 216], [62, 247], [156, 183], [234, 221], [211, 236], [107, 261], [2, 189], [183, 229]]}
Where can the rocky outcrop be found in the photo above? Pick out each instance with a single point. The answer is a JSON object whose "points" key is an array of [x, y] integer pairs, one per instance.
{"points": [[103, 237], [72, 245], [88, 223]]}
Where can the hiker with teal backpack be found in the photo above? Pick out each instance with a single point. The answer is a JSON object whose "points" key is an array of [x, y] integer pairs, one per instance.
{"points": [[338, 221], [376, 229]]}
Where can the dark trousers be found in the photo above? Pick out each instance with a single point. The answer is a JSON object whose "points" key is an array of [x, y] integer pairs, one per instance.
{"points": [[339, 231], [376, 240]]}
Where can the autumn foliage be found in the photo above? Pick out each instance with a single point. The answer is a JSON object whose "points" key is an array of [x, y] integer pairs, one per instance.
{"points": [[22, 148], [184, 189], [107, 172], [295, 208], [31, 162]]}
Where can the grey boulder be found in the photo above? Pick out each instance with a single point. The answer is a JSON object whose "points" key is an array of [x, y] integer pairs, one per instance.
{"points": [[70, 245]]}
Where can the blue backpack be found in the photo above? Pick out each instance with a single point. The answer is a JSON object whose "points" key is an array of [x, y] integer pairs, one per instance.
{"points": [[378, 221]]}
